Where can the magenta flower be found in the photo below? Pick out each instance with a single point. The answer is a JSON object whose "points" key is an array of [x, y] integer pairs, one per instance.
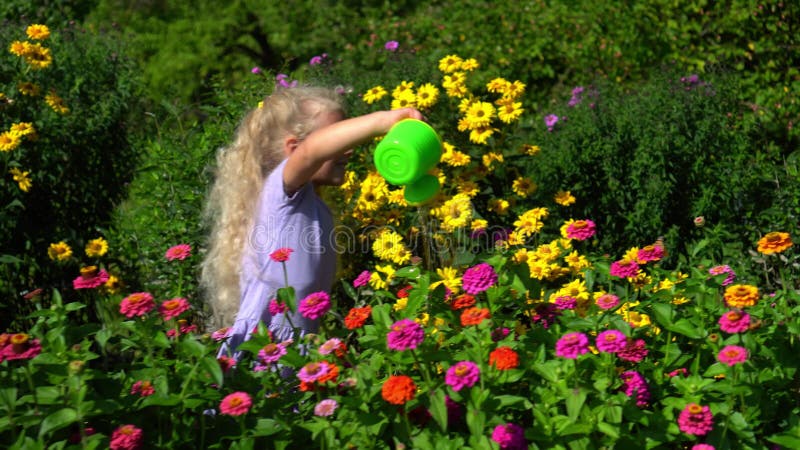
{"points": [[566, 302], [635, 351], [702, 447], [221, 334], [126, 437], [90, 278], [275, 307], [580, 230], [281, 254], [19, 346], [236, 404], [550, 121], [255, 70], [572, 345], [696, 420], [391, 46], [510, 436], [180, 251], [315, 305], [315, 61], [650, 253], [329, 346], [325, 407], [611, 341], [724, 269], [137, 304], [732, 355], [271, 353], [143, 388], [462, 374], [170, 309], [405, 334], [636, 386], [478, 278], [607, 301], [734, 321], [312, 371], [362, 279], [624, 269]]}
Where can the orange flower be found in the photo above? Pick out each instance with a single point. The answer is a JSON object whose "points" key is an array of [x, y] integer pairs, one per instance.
{"points": [[474, 316], [398, 389], [331, 375], [462, 301], [504, 358], [357, 317], [741, 295], [774, 242]]}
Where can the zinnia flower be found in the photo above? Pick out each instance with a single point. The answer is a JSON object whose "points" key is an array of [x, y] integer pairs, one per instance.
{"points": [[19, 346], [723, 269], [325, 407], [578, 229], [696, 420], [180, 251], [478, 278], [170, 309], [607, 301], [624, 269], [474, 316], [271, 353], [732, 355], [312, 371], [362, 279], [734, 321], [702, 447], [137, 304], [315, 305], [462, 374], [611, 341], [510, 436], [774, 242], [504, 358], [236, 404], [281, 254], [405, 334], [462, 301], [275, 307], [636, 386], [391, 45], [634, 351], [357, 317], [90, 278], [741, 295], [126, 437], [572, 345], [398, 389], [143, 388]]}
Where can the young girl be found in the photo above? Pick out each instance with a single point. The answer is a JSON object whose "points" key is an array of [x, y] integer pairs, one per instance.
{"points": [[264, 198]]}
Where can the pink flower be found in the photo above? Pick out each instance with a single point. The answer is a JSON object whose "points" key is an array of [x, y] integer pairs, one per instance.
{"points": [[566, 302], [19, 346], [478, 278], [90, 278], [650, 253], [732, 355], [636, 386], [611, 341], [550, 121], [329, 346], [275, 307], [137, 304], [624, 269], [325, 407], [281, 254], [221, 334], [696, 419], [724, 269], [126, 437], [681, 371], [391, 46], [226, 363], [315, 305], [462, 374], [580, 230], [734, 321], [255, 70], [607, 301], [312, 371], [702, 447], [510, 436], [572, 345], [271, 353], [315, 61], [235, 404], [405, 334], [170, 309], [143, 388], [634, 351], [180, 251], [362, 279]]}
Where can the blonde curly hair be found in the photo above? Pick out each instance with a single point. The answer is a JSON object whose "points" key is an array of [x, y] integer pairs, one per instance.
{"points": [[241, 168]]}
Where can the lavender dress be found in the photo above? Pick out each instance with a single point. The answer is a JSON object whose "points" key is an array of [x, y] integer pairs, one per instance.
{"points": [[301, 222]]}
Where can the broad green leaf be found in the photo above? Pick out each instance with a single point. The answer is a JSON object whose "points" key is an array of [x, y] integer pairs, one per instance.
{"points": [[57, 420], [266, 427], [575, 400], [211, 365], [438, 408]]}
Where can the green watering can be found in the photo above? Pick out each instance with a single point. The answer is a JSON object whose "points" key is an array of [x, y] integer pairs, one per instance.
{"points": [[406, 154]]}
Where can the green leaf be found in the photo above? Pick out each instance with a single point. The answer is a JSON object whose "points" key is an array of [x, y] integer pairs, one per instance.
{"points": [[438, 408], [57, 420], [210, 364], [287, 295], [575, 400], [686, 328], [663, 313], [266, 427], [412, 272], [608, 429], [349, 290], [192, 347], [74, 306]]}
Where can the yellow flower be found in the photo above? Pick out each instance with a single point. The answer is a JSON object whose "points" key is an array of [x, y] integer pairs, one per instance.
{"points": [[96, 248], [479, 114], [631, 255], [453, 157], [527, 225], [508, 110], [59, 251], [523, 186], [564, 198], [498, 206], [113, 285], [455, 84], [405, 99], [22, 179], [23, 128], [450, 63], [19, 48], [427, 94], [449, 278], [539, 269], [454, 213], [468, 188], [470, 64], [481, 135], [38, 57], [374, 94], [38, 32], [741, 295], [404, 88], [29, 88], [576, 262], [478, 224], [514, 90], [9, 140], [397, 197], [520, 256], [400, 304], [774, 242], [679, 300], [490, 158], [531, 150], [56, 102], [497, 85], [389, 246], [465, 103]]}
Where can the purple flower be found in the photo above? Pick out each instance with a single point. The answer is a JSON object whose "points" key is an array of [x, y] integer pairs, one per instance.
{"points": [[550, 121], [510, 436], [572, 345], [636, 386], [315, 61], [362, 279], [478, 278], [462, 374], [256, 70], [315, 305], [405, 334], [611, 341], [577, 96], [281, 79], [391, 46]]}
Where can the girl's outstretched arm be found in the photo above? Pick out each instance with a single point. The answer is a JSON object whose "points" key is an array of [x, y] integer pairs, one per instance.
{"points": [[332, 141]]}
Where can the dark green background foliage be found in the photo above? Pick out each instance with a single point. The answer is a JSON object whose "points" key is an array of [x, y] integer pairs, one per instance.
{"points": [[80, 163]]}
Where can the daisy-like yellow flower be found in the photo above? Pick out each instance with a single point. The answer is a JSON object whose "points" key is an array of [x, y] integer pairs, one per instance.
{"points": [[564, 198], [374, 192], [427, 95], [453, 157], [741, 295], [508, 110], [37, 32], [404, 87], [96, 248], [19, 48], [9, 140], [449, 277], [381, 282], [450, 63], [527, 225], [468, 188], [523, 186], [28, 88], [576, 262], [531, 150], [22, 179], [23, 128], [113, 285], [389, 246], [479, 114], [455, 84], [498, 206], [59, 251], [539, 269], [465, 103], [490, 158], [520, 256], [405, 99], [481, 135], [470, 64], [514, 90], [374, 94], [56, 102], [774, 242], [478, 224], [455, 213], [38, 57], [400, 304], [397, 197], [497, 85], [631, 255]]}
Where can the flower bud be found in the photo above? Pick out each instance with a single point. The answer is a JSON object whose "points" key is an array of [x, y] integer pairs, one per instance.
{"points": [[699, 221]]}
